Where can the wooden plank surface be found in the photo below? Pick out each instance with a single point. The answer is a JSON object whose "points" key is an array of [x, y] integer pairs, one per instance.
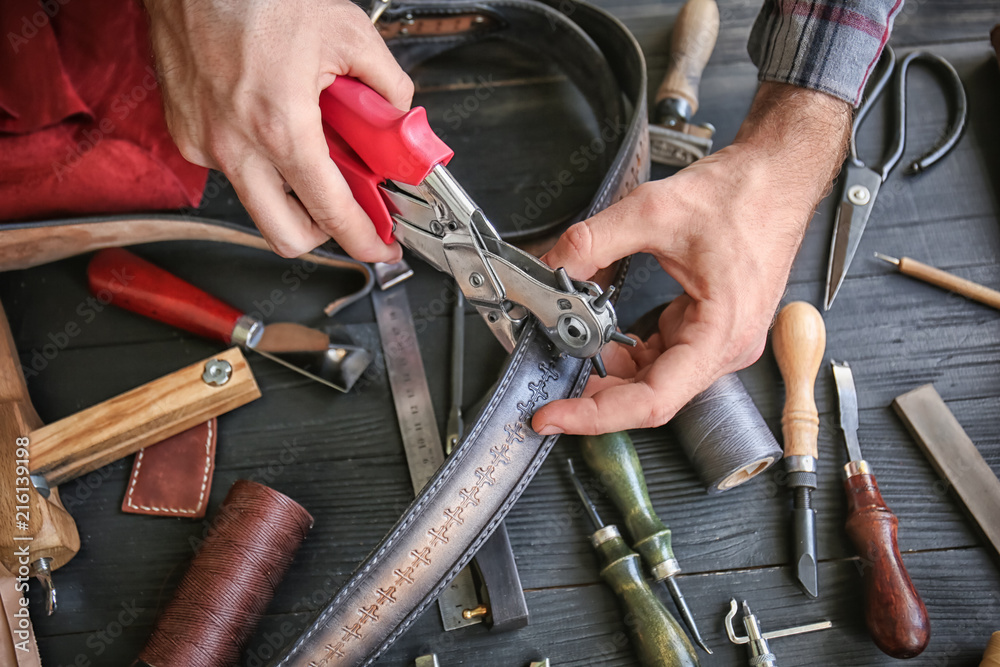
{"points": [[341, 456]]}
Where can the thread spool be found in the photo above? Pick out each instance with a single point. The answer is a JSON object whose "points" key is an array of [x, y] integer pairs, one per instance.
{"points": [[724, 435], [720, 430], [216, 609]]}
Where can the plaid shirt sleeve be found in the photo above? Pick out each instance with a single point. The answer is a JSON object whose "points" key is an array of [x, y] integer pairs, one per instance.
{"points": [[826, 45]]}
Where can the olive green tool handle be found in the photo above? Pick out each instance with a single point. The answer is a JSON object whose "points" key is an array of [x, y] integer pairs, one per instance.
{"points": [[613, 459], [799, 343], [657, 638], [691, 45]]}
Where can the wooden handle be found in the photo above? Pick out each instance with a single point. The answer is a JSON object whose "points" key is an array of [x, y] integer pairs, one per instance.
{"points": [[799, 342], [143, 416], [895, 614], [691, 44], [952, 283], [50, 526], [132, 283], [991, 657]]}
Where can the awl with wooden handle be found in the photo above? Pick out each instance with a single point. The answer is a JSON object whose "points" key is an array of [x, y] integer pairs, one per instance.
{"points": [[895, 614], [135, 284], [799, 342], [673, 139]]}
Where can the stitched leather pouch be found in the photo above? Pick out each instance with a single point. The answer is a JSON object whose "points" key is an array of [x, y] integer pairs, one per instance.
{"points": [[174, 477]]}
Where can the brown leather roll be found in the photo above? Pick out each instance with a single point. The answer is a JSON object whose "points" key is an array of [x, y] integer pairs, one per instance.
{"points": [[215, 611]]}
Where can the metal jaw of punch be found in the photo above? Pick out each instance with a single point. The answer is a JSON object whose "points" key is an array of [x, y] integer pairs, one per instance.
{"points": [[440, 223], [756, 641]]}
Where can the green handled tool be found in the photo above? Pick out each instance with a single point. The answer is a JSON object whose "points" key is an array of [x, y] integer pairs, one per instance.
{"points": [[657, 638], [613, 459]]}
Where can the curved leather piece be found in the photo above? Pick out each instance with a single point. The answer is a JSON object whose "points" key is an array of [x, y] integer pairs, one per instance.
{"points": [[27, 244], [470, 495]]}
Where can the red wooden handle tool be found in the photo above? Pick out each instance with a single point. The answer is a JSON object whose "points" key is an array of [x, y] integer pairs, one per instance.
{"points": [[116, 275], [371, 141], [894, 612]]}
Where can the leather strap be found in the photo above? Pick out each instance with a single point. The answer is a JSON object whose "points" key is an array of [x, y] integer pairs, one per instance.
{"points": [[465, 501]]}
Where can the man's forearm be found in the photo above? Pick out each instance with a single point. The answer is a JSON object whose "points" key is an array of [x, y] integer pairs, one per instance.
{"points": [[801, 132]]}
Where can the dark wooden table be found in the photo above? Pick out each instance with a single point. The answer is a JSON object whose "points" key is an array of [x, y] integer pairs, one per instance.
{"points": [[346, 458]]}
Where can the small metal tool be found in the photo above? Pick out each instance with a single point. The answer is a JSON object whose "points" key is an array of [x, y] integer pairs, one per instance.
{"points": [[673, 139], [613, 458], [862, 183], [455, 425], [756, 641], [894, 612], [431, 660], [911, 267], [657, 638]]}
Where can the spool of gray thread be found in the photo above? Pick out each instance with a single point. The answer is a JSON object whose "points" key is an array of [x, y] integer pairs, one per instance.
{"points": [[724, 435], [721, 430]]}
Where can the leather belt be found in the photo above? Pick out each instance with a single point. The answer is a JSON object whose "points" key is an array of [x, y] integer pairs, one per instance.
{"points": [[465, 501], [461, 506]]}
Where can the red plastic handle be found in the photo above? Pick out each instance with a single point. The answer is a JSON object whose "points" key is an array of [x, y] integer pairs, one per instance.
{"points": [[378, 142], [117, 276]]}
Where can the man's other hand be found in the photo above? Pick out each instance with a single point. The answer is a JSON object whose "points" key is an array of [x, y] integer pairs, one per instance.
{"points": [[727, 229]]}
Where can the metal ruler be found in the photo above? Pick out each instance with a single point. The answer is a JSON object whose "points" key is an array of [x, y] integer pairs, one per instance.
{"points": [[418, 426]]}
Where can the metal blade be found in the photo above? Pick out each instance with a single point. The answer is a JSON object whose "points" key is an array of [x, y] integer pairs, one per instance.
{"points": [[860, 187], [804, 531], [848, 396]]}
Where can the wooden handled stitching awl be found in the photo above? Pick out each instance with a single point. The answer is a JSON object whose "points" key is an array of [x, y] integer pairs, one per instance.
{"points": [[656, 636], [673, 139], [799, 341], [911, 267], [613, 458], [895, 614], [756, 641]]}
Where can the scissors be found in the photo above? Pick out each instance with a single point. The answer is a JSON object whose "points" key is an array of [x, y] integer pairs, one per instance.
{"points": [[861, 182], [395, 167]]}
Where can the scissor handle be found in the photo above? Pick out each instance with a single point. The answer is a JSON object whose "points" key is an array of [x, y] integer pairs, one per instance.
{"points": [[886, 66], [950, 78], [371, 141], [895, 152]]}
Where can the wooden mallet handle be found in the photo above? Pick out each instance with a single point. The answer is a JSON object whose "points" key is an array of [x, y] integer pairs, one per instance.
{"points": [[799, 342], [691, 45]]}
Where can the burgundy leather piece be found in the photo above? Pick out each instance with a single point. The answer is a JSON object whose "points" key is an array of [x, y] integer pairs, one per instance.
{"points": [[174, 477]]}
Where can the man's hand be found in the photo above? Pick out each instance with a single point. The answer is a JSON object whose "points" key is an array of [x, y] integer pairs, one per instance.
{"points": [[727, 229], [241, 82]]}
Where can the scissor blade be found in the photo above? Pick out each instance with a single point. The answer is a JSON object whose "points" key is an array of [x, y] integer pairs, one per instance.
{"points": [[852, 216]]}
